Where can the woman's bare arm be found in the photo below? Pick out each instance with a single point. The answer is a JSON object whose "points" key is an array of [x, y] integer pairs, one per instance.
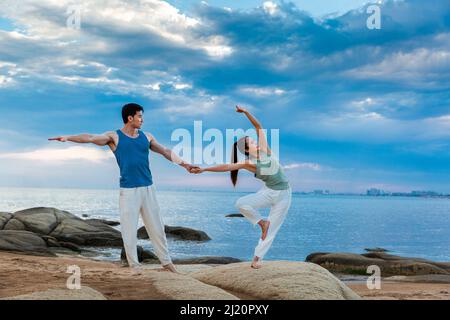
{"points": [[262, 139], [229, 167]]}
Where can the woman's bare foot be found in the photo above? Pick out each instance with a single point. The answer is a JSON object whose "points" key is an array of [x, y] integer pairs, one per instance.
{"points": [[264, 224], [255, 263], [170, 267]]}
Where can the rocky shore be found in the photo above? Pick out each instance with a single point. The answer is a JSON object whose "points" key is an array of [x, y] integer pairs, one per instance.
{"points": [[37, 245]]}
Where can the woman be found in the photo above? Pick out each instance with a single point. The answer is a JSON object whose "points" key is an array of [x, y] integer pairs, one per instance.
{"points": [[276, 193]]}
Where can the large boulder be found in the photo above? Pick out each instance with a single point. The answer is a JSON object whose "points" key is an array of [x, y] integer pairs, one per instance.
{"points": [[143, 255], [180, 233], [84, 293], [24, 242], [63, 226], [351, 263], [278, 280]]}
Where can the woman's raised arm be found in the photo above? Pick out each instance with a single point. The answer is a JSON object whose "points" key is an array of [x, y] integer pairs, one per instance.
{"points": [[262, 139]]}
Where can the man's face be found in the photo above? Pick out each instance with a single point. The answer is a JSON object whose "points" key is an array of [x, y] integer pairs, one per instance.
{"points": [[136, 121]]}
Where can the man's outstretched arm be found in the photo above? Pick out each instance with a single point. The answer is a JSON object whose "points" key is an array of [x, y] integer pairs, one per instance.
{"points": [[98, 139], [155, 146]]}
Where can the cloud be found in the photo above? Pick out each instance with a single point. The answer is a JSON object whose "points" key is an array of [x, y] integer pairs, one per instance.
{"points": [[261, 91], [305, 165], [60, 156], [328, 80], [422, 68]]}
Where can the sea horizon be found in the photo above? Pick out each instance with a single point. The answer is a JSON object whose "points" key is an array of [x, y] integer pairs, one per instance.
{"points": [[406, 226]]}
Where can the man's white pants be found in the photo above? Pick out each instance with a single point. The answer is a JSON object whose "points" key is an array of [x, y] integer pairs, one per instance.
{"points": [[279, 202], [142, 200]]}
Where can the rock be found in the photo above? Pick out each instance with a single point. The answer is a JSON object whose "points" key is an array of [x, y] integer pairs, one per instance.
{"points": [[70, 246], [350, 263], [51, 242], [84, 293], [377, 249], [142, 233], [183, 287], [180, 233], [24, 242], [235, 215], [207, 260], [142, 255], [277, 280], [38, 220], [65, 227], [429, 278], [102, 221], [14, 224], [84, 215], [4, 218]]}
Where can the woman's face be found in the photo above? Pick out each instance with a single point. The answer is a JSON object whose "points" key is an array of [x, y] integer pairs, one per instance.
{"points": [[252, 147]]}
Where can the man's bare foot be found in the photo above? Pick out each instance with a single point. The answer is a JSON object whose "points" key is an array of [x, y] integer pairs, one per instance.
{"points": [[255, 263], [170, 267], [136, 270], [264, 224]]}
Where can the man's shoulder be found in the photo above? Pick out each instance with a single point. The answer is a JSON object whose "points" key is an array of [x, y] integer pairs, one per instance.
{"points": [[149, 136], [110, 133]]}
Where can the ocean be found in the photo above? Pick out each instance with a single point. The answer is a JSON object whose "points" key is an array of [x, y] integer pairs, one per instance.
{"points": [[418, 227]]}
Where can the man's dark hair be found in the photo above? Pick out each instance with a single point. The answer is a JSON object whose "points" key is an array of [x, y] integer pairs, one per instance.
{"points": [[130, 109]]}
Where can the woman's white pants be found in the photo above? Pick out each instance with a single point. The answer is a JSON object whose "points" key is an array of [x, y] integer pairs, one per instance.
{"points": [[279, 202], [142, 201]]}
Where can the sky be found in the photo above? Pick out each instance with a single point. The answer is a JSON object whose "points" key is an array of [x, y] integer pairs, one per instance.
{"points": [[355, 107]]}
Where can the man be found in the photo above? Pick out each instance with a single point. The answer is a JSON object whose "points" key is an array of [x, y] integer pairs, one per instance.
{"points": [[137, 193]]}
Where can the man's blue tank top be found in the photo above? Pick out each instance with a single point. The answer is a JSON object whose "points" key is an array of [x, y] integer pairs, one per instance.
{"points": [[132, 158]]}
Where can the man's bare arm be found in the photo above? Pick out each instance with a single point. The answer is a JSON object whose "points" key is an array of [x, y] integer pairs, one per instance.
{"points": [[167, 153], [97, 139]]}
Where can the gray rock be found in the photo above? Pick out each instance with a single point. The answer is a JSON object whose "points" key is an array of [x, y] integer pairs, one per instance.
{"points": [[181, 233], [62, 226], [429, 278], [24, 242], [377, 249], [102, 221], [70, 246], [67, 227], [39, 220], [4, 218], [350, 263], [14, 224], [142, 255], [235, 215], [207, 260], [51, 242]]}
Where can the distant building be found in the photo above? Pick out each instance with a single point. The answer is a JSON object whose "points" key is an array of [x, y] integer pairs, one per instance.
{"points": [[321, 192], [425, 194], [376, 192]]}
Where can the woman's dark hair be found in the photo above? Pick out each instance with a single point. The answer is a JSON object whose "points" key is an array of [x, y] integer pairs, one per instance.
{"points": [[234, 157], [130, 109]]}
